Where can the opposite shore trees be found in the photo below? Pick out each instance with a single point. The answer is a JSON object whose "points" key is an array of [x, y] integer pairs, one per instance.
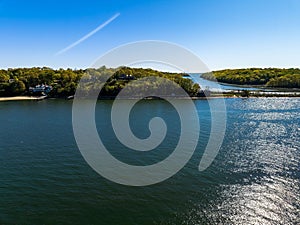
{"points": [[270, 77]]}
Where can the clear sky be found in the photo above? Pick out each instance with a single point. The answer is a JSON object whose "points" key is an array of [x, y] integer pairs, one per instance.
{"points": [[223, 33]]}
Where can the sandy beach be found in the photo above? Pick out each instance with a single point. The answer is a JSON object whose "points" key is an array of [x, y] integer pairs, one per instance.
{"points": [[21, 98]]}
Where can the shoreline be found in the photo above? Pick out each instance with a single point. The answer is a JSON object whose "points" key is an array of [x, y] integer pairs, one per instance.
{"points": [[22, 98], [260, 87], [28, 98]]}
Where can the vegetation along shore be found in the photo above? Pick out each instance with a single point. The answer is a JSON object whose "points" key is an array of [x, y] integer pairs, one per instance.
{"points": [[269, 77], [39, 83], [62, 83]]}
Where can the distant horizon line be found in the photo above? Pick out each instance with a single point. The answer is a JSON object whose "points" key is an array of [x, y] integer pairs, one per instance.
{"points": [[84, 68]]}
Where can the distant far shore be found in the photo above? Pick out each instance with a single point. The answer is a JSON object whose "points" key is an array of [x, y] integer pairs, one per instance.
{"points": [[21, 98]]}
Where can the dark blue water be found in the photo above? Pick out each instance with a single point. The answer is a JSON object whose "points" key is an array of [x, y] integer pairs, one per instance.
{"points": [[255, 178]]}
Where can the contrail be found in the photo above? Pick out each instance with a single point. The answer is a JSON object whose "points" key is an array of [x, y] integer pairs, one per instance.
{"points": [[89, 34]]}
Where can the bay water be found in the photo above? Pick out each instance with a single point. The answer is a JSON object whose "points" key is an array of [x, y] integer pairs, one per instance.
{"points": [[255, 178]]}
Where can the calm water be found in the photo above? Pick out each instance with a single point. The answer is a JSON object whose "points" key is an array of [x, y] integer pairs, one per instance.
{"points": [[255, 179], [213, 86]]}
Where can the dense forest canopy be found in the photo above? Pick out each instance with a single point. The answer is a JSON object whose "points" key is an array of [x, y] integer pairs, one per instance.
{"points": [[271, 77], [64, 82]]}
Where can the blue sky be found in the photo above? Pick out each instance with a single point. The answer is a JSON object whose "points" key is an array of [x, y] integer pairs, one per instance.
{"points": [[223, 33]]}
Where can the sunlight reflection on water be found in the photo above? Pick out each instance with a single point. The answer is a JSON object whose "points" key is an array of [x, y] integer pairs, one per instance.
{"points": [[255, 178], [260, 160]]}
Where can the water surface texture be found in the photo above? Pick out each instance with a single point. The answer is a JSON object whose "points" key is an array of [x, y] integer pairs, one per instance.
{"points": [[255, 178]]}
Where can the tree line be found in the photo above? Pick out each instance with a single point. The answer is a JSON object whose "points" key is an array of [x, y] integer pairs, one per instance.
{"points": [[270, 77], [64, 82]]}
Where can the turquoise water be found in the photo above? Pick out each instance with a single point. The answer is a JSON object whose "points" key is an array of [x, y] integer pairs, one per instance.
{"points": [[255, 178]]}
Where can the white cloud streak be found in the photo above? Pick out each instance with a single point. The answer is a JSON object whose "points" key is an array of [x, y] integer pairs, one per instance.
{"points": [[88, 35]]}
